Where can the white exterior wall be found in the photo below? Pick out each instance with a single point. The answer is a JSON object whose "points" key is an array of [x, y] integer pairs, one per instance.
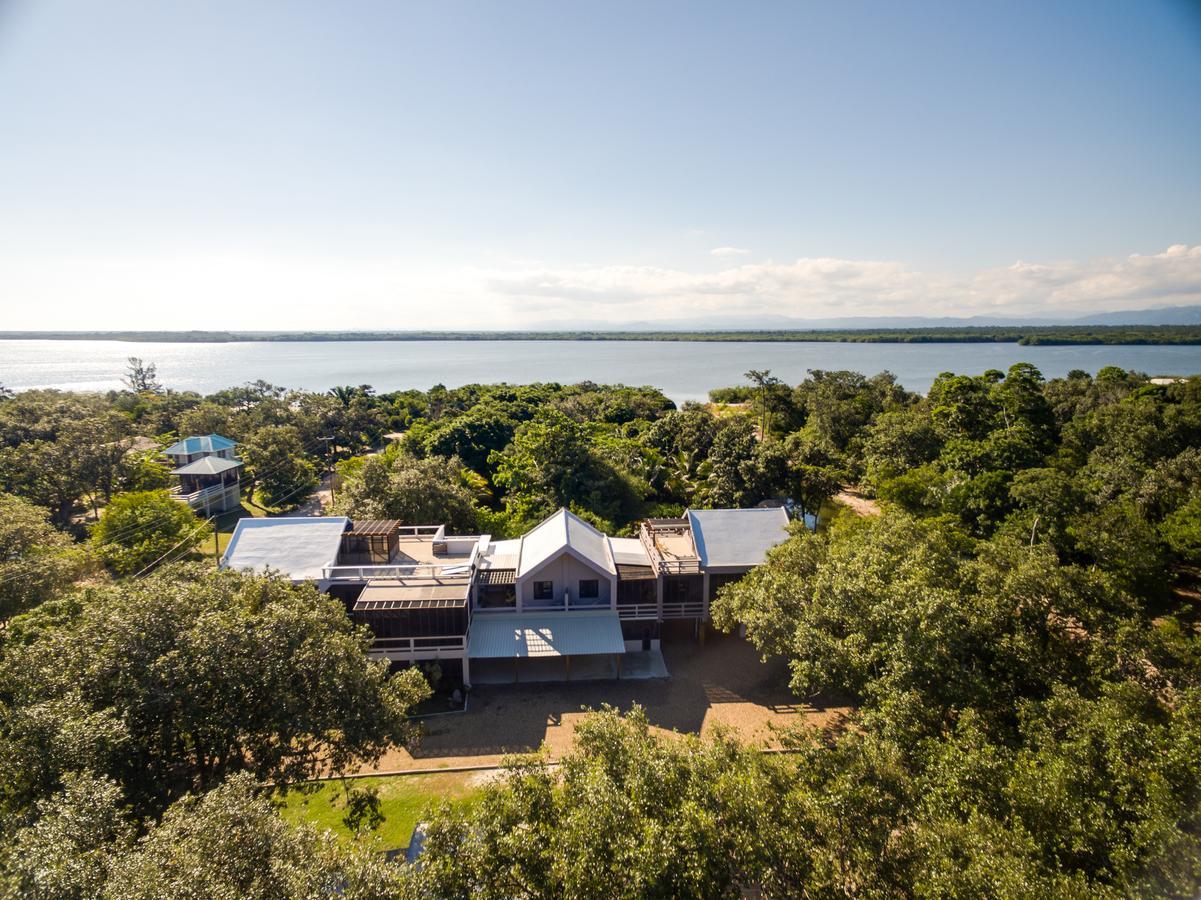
{"points": [[566, 572]]}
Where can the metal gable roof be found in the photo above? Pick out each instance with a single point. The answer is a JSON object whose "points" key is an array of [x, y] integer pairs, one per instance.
{"points": [[739, 538], [564, 532], [207, 465], [509, 635]]}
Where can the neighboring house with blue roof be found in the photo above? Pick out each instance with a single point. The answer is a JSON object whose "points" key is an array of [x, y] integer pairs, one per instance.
{"points": [[209, 473], [199, 446]]}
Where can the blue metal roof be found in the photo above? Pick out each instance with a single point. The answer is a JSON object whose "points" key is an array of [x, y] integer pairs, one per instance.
{"points": [[200, 443]]}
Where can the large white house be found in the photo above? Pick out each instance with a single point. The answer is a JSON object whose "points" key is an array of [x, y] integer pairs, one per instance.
{"points": [[563, 589]]}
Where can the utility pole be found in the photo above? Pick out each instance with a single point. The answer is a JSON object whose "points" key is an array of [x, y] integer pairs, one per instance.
{"points": [[329, 466]]}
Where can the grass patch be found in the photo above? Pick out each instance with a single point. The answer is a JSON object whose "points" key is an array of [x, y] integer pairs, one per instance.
{"points": [[403, 798], [225, 523]]}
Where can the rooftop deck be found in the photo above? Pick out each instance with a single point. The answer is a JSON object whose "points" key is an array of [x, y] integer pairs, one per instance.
{"points": [[419, 551], [670, 546]]}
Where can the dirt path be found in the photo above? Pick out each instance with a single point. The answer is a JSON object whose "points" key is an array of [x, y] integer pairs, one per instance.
{"points": [[318, 501], [860, 505]]}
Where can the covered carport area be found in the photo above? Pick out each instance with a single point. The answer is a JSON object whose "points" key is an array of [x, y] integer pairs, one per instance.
{"points": [[545, 646]]}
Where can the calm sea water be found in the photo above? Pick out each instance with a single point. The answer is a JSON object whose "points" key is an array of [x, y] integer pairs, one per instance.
{"points": [[684, 371]]}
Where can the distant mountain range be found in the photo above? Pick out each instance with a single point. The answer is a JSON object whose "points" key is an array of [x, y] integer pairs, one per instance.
{"points": [[1165, 315]]}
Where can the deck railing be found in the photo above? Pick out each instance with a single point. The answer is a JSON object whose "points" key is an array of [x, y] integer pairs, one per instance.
{"points": [[687, 610], [663, 564], [197, 498], [638, 611], [418, 647], [412, 570], [693, 609]]}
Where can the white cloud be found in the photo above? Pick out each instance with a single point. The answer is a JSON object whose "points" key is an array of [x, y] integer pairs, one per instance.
{"points": [[259, 291], [729, 251], [820, 287]]}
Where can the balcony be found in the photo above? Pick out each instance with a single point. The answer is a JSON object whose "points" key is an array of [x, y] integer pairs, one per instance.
{"points": [[199, 498], [412, 649]]}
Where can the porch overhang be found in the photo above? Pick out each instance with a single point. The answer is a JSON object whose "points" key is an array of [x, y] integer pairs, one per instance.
{"points": [[524, 635]]}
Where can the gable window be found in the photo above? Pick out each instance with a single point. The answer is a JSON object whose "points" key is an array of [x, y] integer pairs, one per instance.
{"points": [[589, 589], [544, 590]]}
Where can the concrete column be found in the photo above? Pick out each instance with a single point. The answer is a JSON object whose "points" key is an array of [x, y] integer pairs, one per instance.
{"points": [[705, 594], [659, 596], [466, 673]]}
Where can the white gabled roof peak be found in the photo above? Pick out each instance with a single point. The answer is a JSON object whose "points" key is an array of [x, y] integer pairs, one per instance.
{"points": [[563, 531]]}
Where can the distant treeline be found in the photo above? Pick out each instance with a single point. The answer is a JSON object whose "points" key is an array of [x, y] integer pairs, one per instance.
{"points": [[1025, 335]]}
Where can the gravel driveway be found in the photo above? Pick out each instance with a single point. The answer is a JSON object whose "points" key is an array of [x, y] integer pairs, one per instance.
{"points": [[722, 682]]}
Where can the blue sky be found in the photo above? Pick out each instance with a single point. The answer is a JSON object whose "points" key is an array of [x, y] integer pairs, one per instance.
{"points": [[391, 165]]}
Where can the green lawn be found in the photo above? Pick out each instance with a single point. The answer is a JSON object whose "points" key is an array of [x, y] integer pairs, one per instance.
{"points": [[402, 800], [225, 524]]}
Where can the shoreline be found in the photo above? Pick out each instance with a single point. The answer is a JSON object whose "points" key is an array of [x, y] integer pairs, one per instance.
{"points": [[1038, 335]]}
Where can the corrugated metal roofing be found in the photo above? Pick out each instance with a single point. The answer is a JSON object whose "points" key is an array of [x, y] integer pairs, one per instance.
{"points": [[509, 635], [200, 443], [394, 593], [298, 548], [737, 537], [635, 573], [495, 577], [207, 465], [561, 531]]}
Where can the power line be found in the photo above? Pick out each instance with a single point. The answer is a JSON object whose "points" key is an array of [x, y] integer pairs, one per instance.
{"points": [[125, 532], [190, 534]]}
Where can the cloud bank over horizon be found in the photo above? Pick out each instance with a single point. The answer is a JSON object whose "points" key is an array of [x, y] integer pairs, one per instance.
{"points": [[276, 292], [825, 287]]}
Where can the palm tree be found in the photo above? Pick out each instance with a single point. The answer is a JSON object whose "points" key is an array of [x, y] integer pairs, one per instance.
{"points": [[769, 386], [344, 394]]}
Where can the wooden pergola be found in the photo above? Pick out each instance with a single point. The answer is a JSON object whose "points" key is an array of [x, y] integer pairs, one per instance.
{"points": [[370, 541]]}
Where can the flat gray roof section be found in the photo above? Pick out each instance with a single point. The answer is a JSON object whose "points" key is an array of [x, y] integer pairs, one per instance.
{"points": [[517, 635], [736, 538], [628, 552], [298, 548]]}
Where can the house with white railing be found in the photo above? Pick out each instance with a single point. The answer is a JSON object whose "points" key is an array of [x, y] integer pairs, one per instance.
{"points": [[563, 590], [208, 472]]}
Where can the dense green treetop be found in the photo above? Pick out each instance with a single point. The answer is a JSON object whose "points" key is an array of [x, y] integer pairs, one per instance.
{"points": [[37, 561], [170, 683], [142, 528]]}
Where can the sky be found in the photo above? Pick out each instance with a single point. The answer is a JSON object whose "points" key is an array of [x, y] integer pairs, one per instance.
{"points": [[388, 165]]}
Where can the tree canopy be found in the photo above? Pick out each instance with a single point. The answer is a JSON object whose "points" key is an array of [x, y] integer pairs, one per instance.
{"points": [[141, 528], [171, 683]]}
